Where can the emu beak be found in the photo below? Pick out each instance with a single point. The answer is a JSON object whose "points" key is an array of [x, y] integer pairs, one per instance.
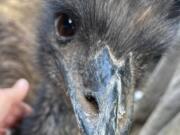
{"points": [[104, 106]]}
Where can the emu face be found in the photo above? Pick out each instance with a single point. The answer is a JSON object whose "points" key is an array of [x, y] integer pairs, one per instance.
{"points": [[101, 50]]}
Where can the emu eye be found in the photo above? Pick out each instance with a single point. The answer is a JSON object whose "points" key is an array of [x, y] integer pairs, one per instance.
{"points": [[65, 26]]}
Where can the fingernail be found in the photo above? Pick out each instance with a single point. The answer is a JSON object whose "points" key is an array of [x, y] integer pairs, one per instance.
{"points": [[22, 84]]}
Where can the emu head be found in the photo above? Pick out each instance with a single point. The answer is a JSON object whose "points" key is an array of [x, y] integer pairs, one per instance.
{"points": [[100, 51]]}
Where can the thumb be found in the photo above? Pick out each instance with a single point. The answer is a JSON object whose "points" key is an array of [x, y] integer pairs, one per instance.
{"points": [[19, 90]]}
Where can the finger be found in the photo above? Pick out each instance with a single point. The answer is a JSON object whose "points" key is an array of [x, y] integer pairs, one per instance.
{"points": [[10, 121], [27, 110], [19, 90], [2, 131], [18, 112], [15, 115]]}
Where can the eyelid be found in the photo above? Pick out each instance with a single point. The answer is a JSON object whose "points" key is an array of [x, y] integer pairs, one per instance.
{"points": [[63, 32]]}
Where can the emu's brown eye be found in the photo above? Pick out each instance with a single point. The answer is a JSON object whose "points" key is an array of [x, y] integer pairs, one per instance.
{"points": [[65, 27]]}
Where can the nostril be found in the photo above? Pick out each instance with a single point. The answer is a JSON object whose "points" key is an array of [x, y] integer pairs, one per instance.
{"points": [[92, 103]]}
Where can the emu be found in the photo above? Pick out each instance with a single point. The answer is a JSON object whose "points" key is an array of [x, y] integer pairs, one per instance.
{"points": [[93, 55]]}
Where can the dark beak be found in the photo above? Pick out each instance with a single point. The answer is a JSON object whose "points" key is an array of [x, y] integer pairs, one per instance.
{"points": [[102, 96]]}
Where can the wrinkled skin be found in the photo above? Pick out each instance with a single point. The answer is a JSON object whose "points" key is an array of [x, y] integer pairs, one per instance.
{"points": [[111, 54]]}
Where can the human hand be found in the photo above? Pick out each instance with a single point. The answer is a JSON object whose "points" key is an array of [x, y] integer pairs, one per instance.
{"points": [[12, 107]]}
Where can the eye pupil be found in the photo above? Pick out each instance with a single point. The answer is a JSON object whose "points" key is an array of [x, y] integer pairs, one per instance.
{"points": [[65, 26]]}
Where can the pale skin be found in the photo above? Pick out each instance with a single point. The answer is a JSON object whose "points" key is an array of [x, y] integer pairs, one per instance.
{"points": [[12, 106]]}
